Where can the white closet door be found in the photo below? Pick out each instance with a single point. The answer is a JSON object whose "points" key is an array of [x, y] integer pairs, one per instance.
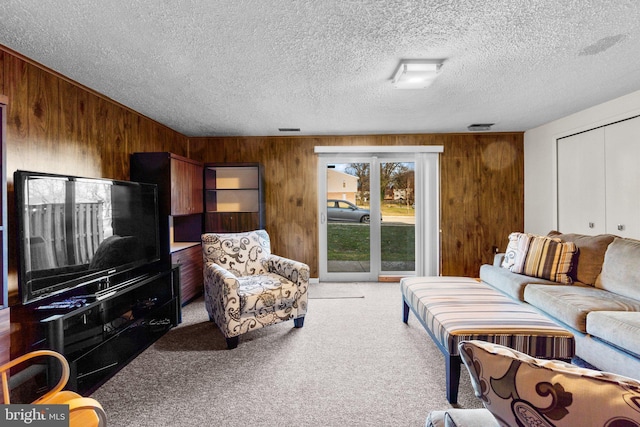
{"points": [[622, 148], [581, 183]]}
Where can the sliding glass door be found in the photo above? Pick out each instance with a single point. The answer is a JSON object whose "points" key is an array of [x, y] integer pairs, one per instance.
{"points": [[348, 218], [369, 210], [398, 226]]}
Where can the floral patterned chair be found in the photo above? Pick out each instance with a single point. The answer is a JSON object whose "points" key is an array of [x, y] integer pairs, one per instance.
{"points": [[246, 287], [519, 390]]}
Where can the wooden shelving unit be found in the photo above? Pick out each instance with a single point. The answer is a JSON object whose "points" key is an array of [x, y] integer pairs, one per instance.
{"points": [[233, 197], [180, 184]]}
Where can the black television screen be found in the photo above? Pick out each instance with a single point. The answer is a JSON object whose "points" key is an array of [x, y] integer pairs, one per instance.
{"points": [[73, 230]]}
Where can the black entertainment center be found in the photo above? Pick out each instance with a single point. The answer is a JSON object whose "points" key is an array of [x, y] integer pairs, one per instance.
{"points": [[101, 332], [90, 279]]}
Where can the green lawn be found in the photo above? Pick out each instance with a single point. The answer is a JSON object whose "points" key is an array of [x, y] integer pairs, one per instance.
{"points": [[350, 242]]}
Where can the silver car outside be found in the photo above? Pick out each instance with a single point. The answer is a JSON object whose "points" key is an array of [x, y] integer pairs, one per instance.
{"points": [[342, 210]]}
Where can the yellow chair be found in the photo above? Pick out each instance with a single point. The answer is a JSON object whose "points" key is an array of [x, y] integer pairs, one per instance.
{"points": [[83, 411]]}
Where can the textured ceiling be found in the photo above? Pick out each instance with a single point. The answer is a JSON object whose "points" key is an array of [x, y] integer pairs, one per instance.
{"points": [[249, 67]]}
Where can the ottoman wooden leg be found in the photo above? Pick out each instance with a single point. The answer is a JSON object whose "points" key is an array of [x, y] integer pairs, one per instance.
{"points": [[405, 311], [452, 366]]}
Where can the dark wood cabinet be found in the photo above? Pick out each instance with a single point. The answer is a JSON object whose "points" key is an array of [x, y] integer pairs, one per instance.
{"points": [[186, 186], [179, 181], [180, 187], [233, 197], [232, 221], [190, 261]]}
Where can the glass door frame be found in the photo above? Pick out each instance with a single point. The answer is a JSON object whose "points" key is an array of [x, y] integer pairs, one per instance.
{"points": [[427, 204], [374, 220]]}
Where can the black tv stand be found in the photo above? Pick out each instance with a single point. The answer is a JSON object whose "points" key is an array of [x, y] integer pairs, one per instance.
{"points": [[102, 334]]}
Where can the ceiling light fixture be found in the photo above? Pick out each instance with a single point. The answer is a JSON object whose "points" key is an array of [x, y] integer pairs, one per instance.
{"points": [[415, 73]]}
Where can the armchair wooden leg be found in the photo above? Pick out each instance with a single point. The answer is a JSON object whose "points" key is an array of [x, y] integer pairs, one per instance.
{"points": [[232, 342], [299, 322]]}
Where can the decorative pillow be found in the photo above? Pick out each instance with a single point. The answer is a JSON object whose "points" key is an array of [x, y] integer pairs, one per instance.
{"points": [[520, 390], [587, 265], [510, 253], [522, 246], [544, 257]]}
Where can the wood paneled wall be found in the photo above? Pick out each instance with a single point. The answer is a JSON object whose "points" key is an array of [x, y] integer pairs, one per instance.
{"points": [[56, 125], [481, 189]]}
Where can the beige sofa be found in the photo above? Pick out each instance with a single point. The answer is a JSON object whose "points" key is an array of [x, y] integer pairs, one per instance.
{"points": [[600, 305]]}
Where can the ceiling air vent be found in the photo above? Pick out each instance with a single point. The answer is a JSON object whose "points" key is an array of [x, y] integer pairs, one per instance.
{"points": [[478, 127]]}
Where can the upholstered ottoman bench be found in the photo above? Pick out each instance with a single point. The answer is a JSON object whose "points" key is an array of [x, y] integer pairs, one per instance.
{"points": [[454, 309]]}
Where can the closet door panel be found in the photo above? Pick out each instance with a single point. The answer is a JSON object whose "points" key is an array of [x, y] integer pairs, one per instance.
{"points": [[581, 183], [622, 160]]}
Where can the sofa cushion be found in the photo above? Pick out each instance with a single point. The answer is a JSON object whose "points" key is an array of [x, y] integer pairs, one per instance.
{"points": [[620, 328], [507, 282], [591, 249], [621, 269], [544, 257], [571, 304], [520, 390]]}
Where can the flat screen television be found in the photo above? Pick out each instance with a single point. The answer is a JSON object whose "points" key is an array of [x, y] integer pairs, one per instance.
{"points": [[74, 231]]}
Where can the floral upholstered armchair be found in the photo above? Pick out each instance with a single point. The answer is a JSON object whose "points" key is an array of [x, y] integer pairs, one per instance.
{"points": [[246, 287], [519, 390]]}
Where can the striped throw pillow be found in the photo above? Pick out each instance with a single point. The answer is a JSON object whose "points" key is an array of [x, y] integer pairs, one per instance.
{"points": [[545, 257]]}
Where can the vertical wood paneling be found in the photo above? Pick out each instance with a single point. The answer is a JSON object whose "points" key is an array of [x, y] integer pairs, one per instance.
{"points": [[2, 73], [15, 81], [102, 126], [460, 214], [43, 116], [55, 125], [69, 112], [481, 189], [115, 143], [132, 126], [86, 153]]}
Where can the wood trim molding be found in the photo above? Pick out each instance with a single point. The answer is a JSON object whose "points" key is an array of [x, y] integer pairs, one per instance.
{"points": [[374, 149]]}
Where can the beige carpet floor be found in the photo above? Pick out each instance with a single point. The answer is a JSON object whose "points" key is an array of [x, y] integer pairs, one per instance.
{"points": [[353, 363]]}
